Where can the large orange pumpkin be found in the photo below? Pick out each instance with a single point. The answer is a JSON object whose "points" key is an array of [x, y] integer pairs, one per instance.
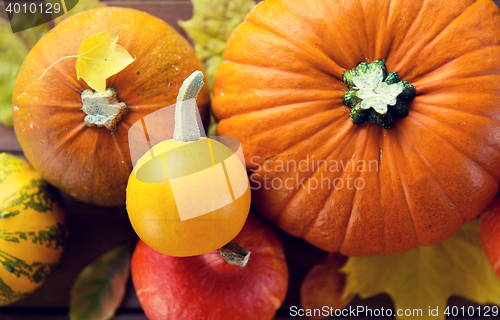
{"points": [[93, 164], [359, 188]]}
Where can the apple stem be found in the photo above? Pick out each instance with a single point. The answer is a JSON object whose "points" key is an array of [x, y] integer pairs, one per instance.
{"points": [[235, 254], [186, 124]]}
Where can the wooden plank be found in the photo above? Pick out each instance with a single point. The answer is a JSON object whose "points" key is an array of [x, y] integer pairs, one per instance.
{"points": [[170, 11], [8, 141], [47, 316]]}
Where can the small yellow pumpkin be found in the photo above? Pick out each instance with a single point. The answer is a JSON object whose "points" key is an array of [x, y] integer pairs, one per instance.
{"points": [[32, 229]]}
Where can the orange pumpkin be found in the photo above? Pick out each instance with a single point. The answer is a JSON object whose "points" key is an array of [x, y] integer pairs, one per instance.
{"points": [[93, 164], [359, 188]]}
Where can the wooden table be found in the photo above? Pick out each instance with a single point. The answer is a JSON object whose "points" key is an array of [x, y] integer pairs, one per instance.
{"points": [[95, 230]]}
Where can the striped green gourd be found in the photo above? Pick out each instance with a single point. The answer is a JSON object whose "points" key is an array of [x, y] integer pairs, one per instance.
{"points": [[32, 229]]}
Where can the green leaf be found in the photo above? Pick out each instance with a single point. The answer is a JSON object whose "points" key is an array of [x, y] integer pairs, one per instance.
{"points": [[13, 50], [100, 287], [428, 275], [210, 28], [30, 36]]}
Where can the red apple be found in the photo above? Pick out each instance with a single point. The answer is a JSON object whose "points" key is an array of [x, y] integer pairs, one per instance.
{"points": [[207, 287]]}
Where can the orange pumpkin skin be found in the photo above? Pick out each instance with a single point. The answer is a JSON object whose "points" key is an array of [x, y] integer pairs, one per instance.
{"points": [[280, 93], [93, 164], [206, 287]]}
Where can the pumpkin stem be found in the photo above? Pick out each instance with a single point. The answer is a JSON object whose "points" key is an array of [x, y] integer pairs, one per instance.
{"points": [[375, 95], [103, 110], [186, 124], [235, 254]]}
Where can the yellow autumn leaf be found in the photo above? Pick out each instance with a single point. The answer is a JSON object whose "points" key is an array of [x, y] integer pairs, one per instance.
{"points": [[100, 57], [210, 27], [427, 276]]}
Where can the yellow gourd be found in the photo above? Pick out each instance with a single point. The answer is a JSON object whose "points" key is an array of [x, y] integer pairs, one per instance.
{"points": [[32, 229], [191, 194]]}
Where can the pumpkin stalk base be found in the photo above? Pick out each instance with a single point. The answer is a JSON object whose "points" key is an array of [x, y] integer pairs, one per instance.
{"points": [[235, 254], [375, 95], [103, 110]]}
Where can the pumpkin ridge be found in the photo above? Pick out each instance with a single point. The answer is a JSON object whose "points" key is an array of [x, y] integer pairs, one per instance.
{"points": [[122, 157], [348, 224], [312, 30], [419, 48], [397, 174], [296, 98], [74, 107], [404, 39], [319, 129], [426, 105], [369, 44], [382, 49], [249, 111], [457, 214], [330, 155], [146, 22], [310, 54], [67, 138], [379, 189], [143, 108], [94, 167], [452, 22], [438, 87], [61, 74], [442, 33], [325, 128], [415, 119], [428, 76], [123, 125], [439, 188], [394, 176], [354, 211], [277, 68]]}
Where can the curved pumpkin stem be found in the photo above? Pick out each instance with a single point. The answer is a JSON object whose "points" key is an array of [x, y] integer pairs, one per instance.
{"points": [[186, 124], [235, 254]]}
